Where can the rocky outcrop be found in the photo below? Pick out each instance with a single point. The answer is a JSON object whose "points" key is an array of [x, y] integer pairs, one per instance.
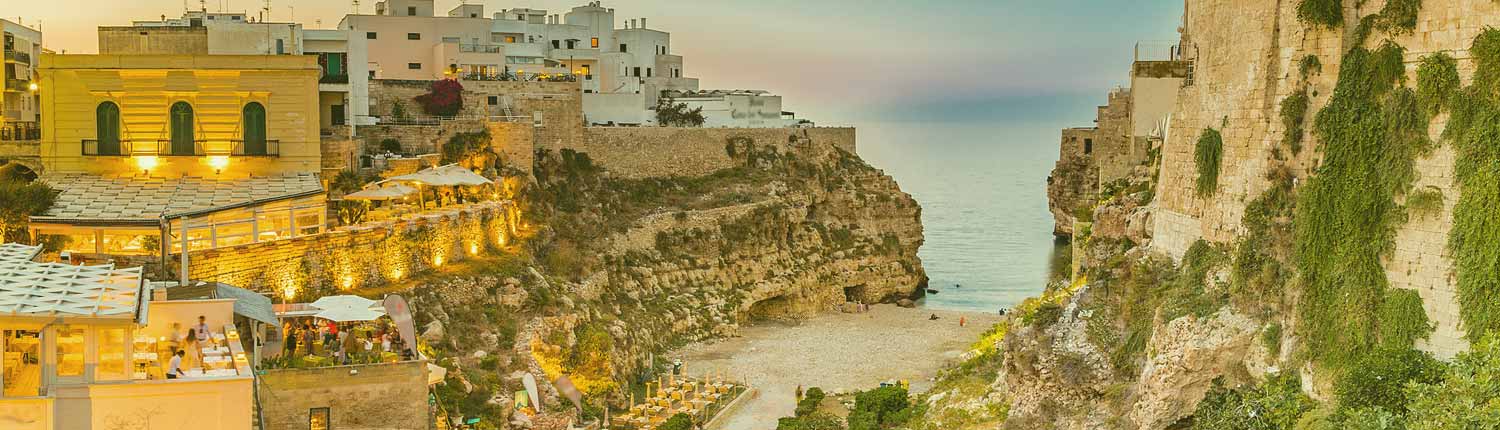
{"points": [[654, 263], [1191, 352]]}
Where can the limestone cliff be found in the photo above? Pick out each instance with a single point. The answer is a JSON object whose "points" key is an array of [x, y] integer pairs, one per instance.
{"points": [[619, 268], [1319, 202]]}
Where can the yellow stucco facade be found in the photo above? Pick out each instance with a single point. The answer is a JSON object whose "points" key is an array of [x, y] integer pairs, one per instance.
{"points": [[145, 89]]}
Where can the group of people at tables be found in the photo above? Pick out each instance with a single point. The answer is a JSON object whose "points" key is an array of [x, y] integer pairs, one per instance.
{"points": [[676, 395], [197, 351], [318, 340]]}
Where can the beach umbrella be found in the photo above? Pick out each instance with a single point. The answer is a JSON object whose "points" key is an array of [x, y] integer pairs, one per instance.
{"points": [[346, 308], [391, 192]]}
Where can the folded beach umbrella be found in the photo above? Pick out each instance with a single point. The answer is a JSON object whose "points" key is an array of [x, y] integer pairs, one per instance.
{"points": [[346, 308]]}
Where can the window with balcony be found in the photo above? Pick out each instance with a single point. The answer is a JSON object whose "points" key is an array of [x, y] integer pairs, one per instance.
{"points": [[107, 129], [572, 44], [510, 39], [182, 129], [594, 43], [254, 118], [413, 36]]}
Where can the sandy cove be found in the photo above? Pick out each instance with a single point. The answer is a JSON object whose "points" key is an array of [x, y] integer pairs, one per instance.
{"points": [[834, 351]]}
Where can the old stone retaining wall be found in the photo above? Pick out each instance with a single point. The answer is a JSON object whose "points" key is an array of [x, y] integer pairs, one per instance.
{"points": [[376, 396], [1248, 53], [369, 254], [643, 152]]}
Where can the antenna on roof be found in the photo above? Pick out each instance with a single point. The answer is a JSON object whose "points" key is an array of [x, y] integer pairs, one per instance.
{"points": [[203, 4], [265, 11], [356, 7]]}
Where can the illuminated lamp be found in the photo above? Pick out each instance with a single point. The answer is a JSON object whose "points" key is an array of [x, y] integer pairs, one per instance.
{"points": [[146, 163], [218, 162]]}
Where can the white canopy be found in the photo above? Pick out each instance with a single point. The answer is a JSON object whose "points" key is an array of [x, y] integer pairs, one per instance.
{"points": [[47, 290], [446, 176], [347, 308], [435, 374], [389, 192]]}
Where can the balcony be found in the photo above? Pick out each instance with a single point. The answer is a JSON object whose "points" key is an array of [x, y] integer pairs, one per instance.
{"points": [[272, 149], [91, 148], [20, 134], [334, 79], [483, 49], [17, 85]]}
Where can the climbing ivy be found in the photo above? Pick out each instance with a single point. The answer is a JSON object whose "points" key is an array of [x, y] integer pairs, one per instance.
{"points": [[1293, 114], [1321, 13], [1437, 81], [1208, 155], [1398, 16], [1370, 134], [1309, 65], [1473, 129]]}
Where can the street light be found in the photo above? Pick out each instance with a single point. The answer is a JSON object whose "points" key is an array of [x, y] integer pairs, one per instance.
{"points": [[32, 87]]}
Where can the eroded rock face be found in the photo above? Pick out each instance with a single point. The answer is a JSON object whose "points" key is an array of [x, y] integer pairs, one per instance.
{"points": [[1073, 184], [1190, 353], [1053, 369]]}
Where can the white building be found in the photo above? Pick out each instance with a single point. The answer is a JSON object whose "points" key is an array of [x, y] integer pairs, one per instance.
{"points": [[235, 33], [738, 108], [19, 105]]}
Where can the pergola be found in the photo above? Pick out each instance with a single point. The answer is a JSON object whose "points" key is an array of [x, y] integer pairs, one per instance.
{"points": [[29, 289]]}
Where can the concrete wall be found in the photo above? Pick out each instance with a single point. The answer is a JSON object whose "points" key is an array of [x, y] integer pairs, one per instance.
{"points": [[643, 152], [366, 255], [617, 108], [380, 396], [153, 40], [207, 403], [144, 87]]}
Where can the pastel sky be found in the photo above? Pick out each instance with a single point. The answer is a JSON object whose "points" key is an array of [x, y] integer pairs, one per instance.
{"points": [[834, 59]]}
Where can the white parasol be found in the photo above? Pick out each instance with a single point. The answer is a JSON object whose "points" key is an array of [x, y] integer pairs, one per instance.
{"points": [[390, 192], [346, 308]]}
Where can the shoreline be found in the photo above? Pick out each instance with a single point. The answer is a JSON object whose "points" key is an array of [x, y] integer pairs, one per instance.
{"points": [[838, 352]]}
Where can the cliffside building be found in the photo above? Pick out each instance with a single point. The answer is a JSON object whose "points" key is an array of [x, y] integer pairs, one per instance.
{"points": [[156, 153], [19, 105], [1128, 130]]}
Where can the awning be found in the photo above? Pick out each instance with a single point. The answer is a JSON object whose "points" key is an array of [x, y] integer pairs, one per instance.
{"points": [[128, 200], [251, 304], [390, 192], [444, 176], [29, 289]]}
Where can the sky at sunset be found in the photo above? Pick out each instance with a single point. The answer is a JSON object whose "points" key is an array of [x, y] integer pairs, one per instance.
{"points": [[832, 59]]}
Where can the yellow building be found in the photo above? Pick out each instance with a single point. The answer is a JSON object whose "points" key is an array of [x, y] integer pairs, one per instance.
{"points": [[139, 143]]}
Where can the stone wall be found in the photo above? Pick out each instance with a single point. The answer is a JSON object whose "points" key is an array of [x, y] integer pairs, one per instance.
{"points": [[1247, 56], [643, 152], [366, 397], [365, 255]]}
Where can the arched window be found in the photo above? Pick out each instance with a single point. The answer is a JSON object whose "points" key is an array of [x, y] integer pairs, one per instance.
{"points": [[182, 129], [255, 129], [107, 128]]}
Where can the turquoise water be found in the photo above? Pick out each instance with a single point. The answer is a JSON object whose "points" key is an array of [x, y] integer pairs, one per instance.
{"points": [[981, 181]]}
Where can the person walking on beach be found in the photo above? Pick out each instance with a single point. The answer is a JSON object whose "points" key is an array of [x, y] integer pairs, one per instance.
{"points": [[962, 321]]}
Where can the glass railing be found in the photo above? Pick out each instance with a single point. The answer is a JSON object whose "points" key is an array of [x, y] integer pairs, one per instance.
{"points": [[487, 49]]}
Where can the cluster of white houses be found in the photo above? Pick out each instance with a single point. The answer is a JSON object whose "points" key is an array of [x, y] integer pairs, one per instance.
{"points": [[623, 70]]}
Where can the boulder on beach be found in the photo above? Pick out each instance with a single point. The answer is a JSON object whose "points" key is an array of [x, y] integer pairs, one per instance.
{"points": [[906, 303]]}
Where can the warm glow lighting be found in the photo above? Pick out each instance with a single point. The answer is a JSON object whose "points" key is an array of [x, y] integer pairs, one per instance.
{"points": [[500, 239], [396, 274], [146, 163], [437, 261], [288, 291], [218, 162], [348, 282], [32, 87], [474, 249]]}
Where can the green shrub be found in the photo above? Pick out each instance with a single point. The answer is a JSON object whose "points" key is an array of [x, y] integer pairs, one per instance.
{"points": [[1399, 16], [1209, 154], [809, 402], [1379, 379], [677, 422], [818, 421], [390, 145], [1466, 395], [1276, 404], [1328, 14], [1046, 315], [1271, 338], [879, 408]]}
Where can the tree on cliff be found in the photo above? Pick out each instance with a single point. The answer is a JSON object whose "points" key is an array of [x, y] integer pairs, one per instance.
{"points": [[18, 202], [669, 113], [445, 99]]}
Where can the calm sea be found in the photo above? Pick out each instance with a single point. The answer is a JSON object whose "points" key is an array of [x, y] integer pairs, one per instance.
{"points": [[981, 178]]}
